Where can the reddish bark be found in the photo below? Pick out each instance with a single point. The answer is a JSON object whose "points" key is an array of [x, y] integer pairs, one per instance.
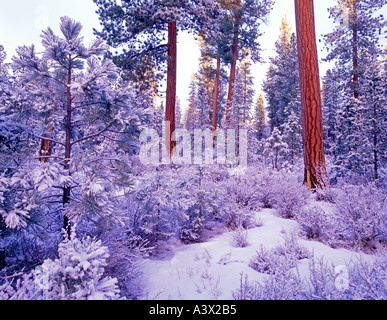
{"points": [[314, 159], [46, 146], [171, 87], [216, 91], [234, 51]]}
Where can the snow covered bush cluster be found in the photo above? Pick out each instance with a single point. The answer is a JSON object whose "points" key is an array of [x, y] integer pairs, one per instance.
{"points": [[281, 257], [281, 265], [353, 216], [356, 281], [77, 274]]}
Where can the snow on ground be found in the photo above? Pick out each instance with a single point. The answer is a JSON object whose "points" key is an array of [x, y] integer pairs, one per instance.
{"points": [[212, 270]]}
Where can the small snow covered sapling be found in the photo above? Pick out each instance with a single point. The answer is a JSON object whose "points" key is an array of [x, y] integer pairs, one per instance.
{"points": [[286, 255], [77, 274], [239, 237]]}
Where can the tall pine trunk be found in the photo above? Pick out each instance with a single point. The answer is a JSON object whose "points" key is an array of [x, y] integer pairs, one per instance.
{"points": [[375, 132], [66, 188], [355, 50], [171, 87], [234, 52], [216, 93], [314, 158]]}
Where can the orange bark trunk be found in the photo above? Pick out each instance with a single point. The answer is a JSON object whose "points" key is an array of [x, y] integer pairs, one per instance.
{"points": [[234, 51], [314, 159], [171, 87]]}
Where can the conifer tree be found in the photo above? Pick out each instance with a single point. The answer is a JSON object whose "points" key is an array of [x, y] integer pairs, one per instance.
{"points": [[281, 85], [246, 17], [92, 120], [142, 26], [355, 49], [260, 118]]}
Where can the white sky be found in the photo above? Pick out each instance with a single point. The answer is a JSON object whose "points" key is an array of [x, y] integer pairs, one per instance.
{"points": [[21, 22]]}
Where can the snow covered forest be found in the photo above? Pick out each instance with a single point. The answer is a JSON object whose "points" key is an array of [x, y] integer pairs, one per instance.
{"points": [[111, 188]]}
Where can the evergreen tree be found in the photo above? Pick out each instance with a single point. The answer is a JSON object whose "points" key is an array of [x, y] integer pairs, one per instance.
{"points": [[142, 27], [331, 96], [246, 17], [259, 118], [281, 85], [248, 92], [276, 149], [77, 91], [354, 46]]}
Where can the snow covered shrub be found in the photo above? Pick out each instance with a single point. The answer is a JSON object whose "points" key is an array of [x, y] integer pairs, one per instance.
{"points": [[247, 290], [361, 219], [326, 195], [287, 255], [274, 189], [284, 284], [126, 252], [321, 280], [239, 237], [150, 208], [198, 200], [77, 274], [240, 199], [367, 281], [192, 229], [360, 281], [292, 250], [265, 261], [266, 183], [315, 222], [290, 197]]}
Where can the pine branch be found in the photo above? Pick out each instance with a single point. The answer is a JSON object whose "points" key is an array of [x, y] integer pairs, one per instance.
{"points": [[91, 136], [48, 139]]}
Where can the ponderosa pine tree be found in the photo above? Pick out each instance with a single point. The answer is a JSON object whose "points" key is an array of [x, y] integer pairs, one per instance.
{"points": [[357, 27], [248, 92], [331, 98], [313, 143], [91, 123], [259, 118], [15, 141], [354, 47], [281, 85], [215, 45], [140, 27], [246, 17]]}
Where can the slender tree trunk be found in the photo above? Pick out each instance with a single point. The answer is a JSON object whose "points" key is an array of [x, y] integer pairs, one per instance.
{"points": [[375, 124], [216, 93], [46, 146], [171, 87], [66, 188], [355, 51], [313, 145], [234, 51]]}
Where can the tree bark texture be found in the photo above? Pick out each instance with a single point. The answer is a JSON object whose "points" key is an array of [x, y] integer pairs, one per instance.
{"points": [[46, 145], [66, 188], [171, 87], [314, 158]]}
